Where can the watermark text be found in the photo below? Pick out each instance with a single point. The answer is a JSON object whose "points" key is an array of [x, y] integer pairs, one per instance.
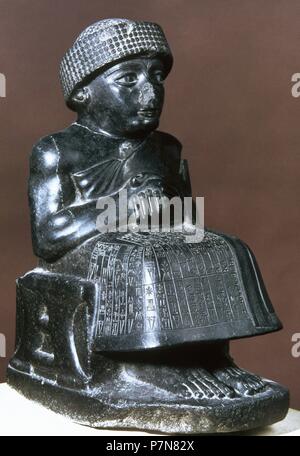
{"points": [[147, 212], [2, 85], [2, 346], [296, 347]]}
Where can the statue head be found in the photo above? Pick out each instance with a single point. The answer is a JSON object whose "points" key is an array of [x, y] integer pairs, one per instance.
{"points": [[113, 76]]}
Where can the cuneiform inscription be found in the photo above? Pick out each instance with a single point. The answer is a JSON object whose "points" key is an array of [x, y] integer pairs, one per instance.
{"points": [[153, 283]]}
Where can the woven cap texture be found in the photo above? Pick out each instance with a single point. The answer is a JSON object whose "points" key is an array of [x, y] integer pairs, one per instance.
{"points": [[107, 41]]}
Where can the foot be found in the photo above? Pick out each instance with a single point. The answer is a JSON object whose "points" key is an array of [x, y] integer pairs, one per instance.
{"points": [[183, 383], [199, 383], [243, 382]]}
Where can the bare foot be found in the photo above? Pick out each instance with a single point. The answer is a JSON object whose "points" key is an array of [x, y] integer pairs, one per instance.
{"points": [[201, 384], [187, 383], [241, 381]]}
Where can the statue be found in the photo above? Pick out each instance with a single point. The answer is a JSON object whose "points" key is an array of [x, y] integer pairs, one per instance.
{"points": [[132, 329]]}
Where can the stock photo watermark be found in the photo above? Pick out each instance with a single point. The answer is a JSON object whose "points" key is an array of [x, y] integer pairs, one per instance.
{"points": [[295, 90], [2, 85], [151, 212], [296, 345], [2, 346]]}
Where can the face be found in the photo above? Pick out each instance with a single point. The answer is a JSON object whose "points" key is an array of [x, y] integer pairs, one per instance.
{"points": [[127, 99]]}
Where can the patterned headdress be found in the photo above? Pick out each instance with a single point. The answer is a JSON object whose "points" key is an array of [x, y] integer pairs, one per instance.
{"points": [[109, 41]]}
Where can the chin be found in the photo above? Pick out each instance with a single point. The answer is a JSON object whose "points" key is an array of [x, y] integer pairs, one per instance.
{"points": [[147, 124]]}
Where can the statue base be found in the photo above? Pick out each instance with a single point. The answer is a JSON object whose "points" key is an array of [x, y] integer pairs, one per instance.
{"points": [[120, 396], [192, 387]]}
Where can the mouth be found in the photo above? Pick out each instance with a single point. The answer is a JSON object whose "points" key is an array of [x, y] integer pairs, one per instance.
{"points": [[148, 113]]}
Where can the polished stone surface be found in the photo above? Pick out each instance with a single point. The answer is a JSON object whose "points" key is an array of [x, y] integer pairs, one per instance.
{"points": [[132, 329]]}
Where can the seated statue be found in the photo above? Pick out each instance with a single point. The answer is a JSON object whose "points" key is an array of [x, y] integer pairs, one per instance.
{"points": [[131, 328]]}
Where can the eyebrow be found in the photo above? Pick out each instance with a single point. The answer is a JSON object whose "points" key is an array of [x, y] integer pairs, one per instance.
{"points": [[130, 67], [116, 70]]}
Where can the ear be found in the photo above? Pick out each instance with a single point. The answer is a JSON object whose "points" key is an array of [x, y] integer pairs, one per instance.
{"points": [[81, 96]]}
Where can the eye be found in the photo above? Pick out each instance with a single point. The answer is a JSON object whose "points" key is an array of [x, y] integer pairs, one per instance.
{"points": [[159, 76], [127, 80]]}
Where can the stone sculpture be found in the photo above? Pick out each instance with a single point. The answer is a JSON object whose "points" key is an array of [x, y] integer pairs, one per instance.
{"points": [[132, 329]]}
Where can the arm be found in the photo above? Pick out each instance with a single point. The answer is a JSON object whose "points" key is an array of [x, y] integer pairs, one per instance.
{"points": [[57, 226], [173, 147]]}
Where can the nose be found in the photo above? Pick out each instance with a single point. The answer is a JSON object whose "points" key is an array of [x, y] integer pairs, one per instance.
{"points": [[147, 94]]}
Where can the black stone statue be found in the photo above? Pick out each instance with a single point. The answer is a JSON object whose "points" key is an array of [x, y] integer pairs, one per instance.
{"points": [[131, 329]]}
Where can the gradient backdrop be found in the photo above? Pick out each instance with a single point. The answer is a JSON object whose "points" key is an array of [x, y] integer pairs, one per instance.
{"points": [[228, 100]]}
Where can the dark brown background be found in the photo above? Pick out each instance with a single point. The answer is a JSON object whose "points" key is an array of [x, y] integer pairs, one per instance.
{"points": [[228, 100]]}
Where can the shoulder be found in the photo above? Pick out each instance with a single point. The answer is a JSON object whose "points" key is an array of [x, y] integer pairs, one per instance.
{"points": [[170, 143], [46, 152]]}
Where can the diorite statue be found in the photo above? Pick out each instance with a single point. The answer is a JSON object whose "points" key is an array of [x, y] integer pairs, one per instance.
{"points": [[131, 329]]}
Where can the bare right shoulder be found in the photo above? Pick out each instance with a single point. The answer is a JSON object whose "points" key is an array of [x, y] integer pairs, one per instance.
{"points": [[45, 156]]}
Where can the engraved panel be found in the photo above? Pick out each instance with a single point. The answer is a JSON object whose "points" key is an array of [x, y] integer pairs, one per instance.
{"points": [[154, 282]]}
